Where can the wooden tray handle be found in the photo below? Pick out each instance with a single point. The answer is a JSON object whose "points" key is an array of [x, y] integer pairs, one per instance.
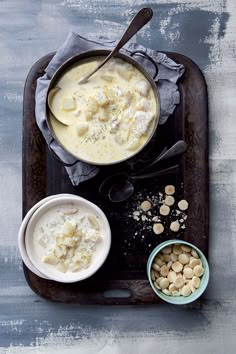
{"points": [[114, 292]]}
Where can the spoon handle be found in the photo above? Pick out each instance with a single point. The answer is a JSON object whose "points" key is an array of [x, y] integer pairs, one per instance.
{"points": [[176, 149], [171, 169], [139, 20]]}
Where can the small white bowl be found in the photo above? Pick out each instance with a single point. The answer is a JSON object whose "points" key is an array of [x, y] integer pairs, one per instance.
{"points": [[21, 233], [52, 272]]}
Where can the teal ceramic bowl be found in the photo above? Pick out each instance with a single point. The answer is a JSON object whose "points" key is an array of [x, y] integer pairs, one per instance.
{"points": [[179, 300]]}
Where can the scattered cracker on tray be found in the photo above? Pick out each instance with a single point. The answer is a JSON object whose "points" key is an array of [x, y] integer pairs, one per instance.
{"points": [[167, 206]]}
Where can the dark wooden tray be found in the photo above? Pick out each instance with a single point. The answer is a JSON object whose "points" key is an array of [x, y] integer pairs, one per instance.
{"points": [[125, 267]]}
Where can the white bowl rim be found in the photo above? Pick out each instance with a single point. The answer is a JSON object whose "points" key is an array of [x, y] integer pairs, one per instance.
{"points": [[21, 233], [171, 299], [21, 238], [64, 277]]}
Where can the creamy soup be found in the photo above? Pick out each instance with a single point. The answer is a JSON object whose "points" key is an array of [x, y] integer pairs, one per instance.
{"points": [[109, 117], [68, 238]]}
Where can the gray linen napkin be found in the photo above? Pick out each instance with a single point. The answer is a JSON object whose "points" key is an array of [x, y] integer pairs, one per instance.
{"points": [[169, 73]]}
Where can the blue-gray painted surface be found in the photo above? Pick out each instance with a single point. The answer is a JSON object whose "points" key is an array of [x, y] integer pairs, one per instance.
{"points": [[201, 29]]}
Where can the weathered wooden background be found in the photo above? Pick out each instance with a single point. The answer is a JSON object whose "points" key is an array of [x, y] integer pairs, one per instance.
{"points": [[201, 29]]}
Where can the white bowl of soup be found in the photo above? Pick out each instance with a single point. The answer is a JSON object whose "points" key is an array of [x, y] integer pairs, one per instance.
{"points": [[67, 239], [109, 118]]}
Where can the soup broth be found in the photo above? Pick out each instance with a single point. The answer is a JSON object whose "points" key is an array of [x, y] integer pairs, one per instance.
{"points": [[110, 117]]}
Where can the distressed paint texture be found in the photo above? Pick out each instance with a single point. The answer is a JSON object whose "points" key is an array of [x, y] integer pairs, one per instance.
{"points": [[201, 29]]}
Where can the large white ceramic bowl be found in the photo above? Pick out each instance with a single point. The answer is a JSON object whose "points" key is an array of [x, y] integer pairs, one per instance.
{"points": [[51, 272]]}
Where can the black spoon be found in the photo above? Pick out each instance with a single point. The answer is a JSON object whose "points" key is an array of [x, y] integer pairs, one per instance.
{"points": [[123, 188], [178, 148]]}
